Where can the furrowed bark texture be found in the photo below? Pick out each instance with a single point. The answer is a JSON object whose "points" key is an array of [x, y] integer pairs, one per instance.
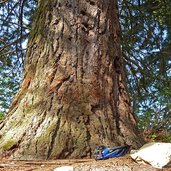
{"points": [[73, 94]]}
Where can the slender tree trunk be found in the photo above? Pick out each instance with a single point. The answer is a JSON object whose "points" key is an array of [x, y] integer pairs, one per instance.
{"points": [[73, 94]]}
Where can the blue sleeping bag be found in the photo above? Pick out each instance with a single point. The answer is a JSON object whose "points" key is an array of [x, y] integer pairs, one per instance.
{"points": [[104, 153]]}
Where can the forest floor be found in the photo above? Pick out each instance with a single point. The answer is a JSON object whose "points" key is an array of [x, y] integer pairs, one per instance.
{"points": [[115, 164]]}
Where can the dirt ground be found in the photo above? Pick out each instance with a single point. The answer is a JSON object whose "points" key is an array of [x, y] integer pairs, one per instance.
{"points": [[115, 164]]}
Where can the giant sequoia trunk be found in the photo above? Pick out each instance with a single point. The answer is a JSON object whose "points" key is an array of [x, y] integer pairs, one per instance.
{"points": [[73, 94]]}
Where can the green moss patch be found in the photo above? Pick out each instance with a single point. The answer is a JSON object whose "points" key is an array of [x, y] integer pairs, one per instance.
{"points": [[40, 19], [9, 145]]}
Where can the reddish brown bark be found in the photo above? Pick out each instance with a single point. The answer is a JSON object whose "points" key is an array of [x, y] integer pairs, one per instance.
{"points": [[73, 94]]}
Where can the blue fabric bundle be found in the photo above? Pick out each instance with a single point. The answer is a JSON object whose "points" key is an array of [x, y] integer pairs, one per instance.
{"points": [[104, 153]]}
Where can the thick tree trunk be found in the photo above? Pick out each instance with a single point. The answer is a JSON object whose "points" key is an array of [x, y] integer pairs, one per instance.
{"points": [[73, 94]]}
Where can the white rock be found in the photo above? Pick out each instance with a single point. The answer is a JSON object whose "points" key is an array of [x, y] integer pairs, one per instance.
{"points": [[64, 168], [156, 154]]}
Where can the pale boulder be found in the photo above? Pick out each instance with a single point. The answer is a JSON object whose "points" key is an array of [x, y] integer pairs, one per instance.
{"points": [[156, 154]]}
